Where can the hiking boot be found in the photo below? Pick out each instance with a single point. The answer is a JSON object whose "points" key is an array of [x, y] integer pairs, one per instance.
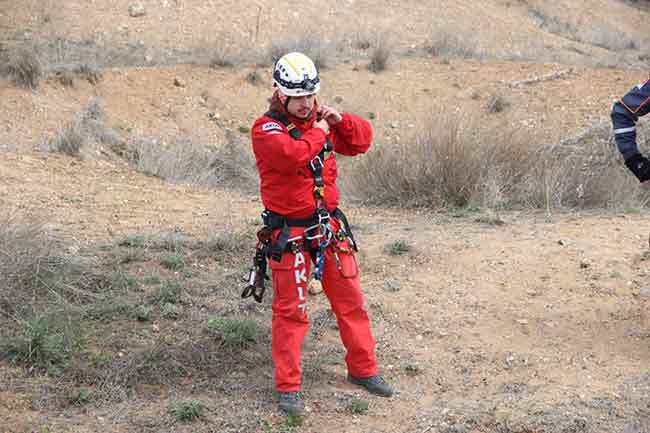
{"points": [[291, 403], [374, 384]]}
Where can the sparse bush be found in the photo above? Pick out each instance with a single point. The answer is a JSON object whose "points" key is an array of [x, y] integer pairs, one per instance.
{"points": [[43, 341], [358, 406], [413, 369], [169, 311], [501, 167], [89, 73], [320, 52], [65, 78], [81, 396], [187, 410], [448, 43], [398, 248], [490, 218], [134, 241], [107, 311], [234, 332], [222, 57], [497, 103], [33, 268], [552, 24], [170, 293], [294, 421], [183, 161], [151, 280], [24, 67], [142, 313], [610, 40], [380, 57], [87, 126], [173, 262], [69, 140], [161, 363], [254, 77]]}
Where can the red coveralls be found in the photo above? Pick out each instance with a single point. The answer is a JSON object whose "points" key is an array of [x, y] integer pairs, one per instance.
{"points": [[286, 185]]}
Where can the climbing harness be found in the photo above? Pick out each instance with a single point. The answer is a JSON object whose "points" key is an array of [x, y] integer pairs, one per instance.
{"points": [[316, 237]]}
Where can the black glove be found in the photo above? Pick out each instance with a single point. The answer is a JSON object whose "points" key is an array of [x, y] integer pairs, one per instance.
{"points": [[640, 166]]}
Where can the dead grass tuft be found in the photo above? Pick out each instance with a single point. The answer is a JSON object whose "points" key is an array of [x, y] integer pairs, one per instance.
{"points": [[24, 67], [448, 43], [186, 162], [380, 57], [87, 127]]}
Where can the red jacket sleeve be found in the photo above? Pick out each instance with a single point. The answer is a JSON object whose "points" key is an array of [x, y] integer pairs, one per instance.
{"points": [[352, 135], [273, 145]]}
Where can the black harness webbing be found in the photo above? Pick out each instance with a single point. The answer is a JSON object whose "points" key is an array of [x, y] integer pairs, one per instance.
{"points": [[315, 165]]}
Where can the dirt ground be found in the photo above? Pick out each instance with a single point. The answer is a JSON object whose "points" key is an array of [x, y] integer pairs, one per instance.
{"points": [[540, 324]]}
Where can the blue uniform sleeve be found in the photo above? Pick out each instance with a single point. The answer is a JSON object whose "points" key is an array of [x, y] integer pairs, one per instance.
{"points": [[625, 114]]}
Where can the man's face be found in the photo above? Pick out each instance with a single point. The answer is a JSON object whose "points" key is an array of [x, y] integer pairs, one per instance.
{"points": [[301, 106]]}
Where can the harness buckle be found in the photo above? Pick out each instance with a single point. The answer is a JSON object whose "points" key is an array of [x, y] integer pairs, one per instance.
{"points": [[316, 163]]}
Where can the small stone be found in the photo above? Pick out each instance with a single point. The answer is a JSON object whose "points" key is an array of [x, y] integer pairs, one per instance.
{"points": [[522, 321], [136, 10], [148, 58], [155, 328], [418, 338], [584, 264], [563, 242], [645, 292], [394, 125], [178, 82]]}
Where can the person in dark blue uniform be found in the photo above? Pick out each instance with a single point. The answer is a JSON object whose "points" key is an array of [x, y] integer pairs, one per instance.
{"points": [[626, 112]]}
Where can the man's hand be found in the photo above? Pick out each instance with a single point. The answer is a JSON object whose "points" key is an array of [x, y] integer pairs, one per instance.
{"points": [[331, 115], [639, 165], [322, 124]]}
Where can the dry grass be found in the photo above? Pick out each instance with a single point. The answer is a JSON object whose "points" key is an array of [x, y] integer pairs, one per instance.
{"points": [[87, 127], [380, 56], [34, 270], [497, 103], [610, 40], [24, 67], [450, 44], [447, 165], [27, 251], [186, 162], [320, 52]]}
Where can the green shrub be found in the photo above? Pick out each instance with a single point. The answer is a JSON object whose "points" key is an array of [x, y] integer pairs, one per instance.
{"points": [[187, 410], [173, 262], [398, 248], [358, 406], [45, 341], [169, 293], [234, 332]]}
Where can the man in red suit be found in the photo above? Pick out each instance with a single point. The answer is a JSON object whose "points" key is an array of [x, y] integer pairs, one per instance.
{"points": [[295, 145]]}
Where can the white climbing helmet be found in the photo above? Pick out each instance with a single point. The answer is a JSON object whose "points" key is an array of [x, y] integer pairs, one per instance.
{"points": [[296, 75]]}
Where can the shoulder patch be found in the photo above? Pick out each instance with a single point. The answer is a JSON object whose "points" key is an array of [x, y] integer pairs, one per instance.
{"points": [[271, 126]]}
